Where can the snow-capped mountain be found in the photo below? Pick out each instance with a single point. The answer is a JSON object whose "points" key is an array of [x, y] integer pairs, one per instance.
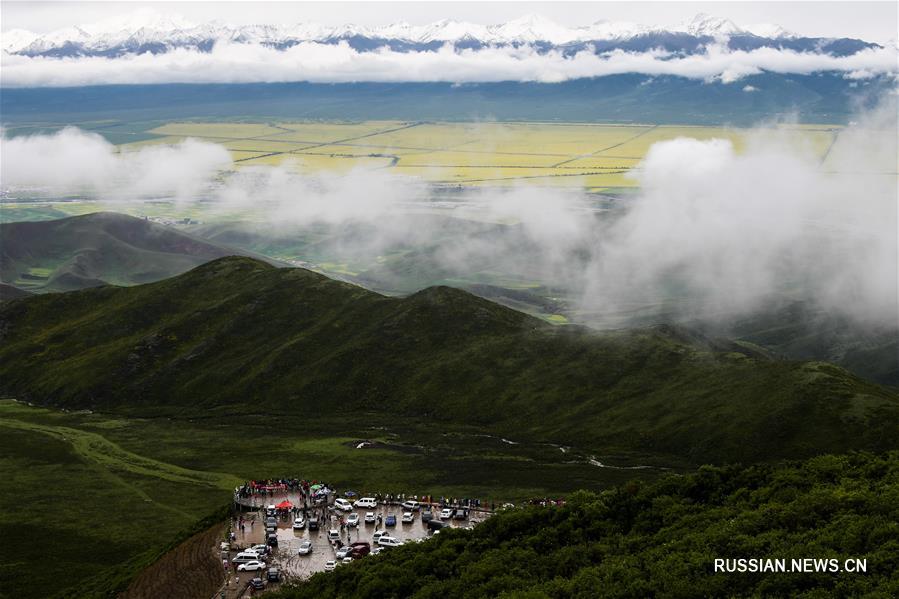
{"points": [[148, 31]]}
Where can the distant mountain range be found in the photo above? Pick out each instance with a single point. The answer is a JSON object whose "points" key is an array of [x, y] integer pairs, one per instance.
{"points": [[96, 249], [150, 32]]}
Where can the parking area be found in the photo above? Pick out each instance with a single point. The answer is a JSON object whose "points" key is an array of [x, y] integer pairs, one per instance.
{"points": [[290, 536]]}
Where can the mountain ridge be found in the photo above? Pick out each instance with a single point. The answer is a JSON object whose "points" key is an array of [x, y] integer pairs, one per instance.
{"points": [[237, 334], [157, 33]]}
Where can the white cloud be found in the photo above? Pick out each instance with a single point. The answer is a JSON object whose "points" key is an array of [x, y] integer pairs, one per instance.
{"points": [[317, 62], [750, 88], [75, 161]]}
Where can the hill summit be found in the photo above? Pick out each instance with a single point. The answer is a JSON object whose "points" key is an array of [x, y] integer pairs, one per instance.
{"points": [[239, 334]]}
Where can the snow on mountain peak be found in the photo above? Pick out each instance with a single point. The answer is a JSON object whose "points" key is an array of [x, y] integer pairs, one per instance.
{"points": [[706, 25], [147, 26], [770, 31]]}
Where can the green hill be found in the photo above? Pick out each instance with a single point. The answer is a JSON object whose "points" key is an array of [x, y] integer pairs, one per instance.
{"points": [[238, 334], [97, 249], [661, 540]]}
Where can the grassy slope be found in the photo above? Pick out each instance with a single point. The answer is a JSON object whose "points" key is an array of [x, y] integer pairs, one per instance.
{"points": [[239, 333], [660, 540], [95, 498], [98, 248]]}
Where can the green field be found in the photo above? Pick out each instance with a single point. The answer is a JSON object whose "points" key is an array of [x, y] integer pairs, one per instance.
{"points": [[93, 492], [591, 156]]}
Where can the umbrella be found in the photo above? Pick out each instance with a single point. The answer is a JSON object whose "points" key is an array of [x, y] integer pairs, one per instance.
{"points": [[350, 493], [315, 487]]}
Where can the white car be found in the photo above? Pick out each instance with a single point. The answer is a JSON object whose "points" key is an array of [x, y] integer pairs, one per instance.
{"points": [[333, 534], [412, 506], [408, 517], [446, 513], [260, 549], [305, 548], [245, 557], [352, 519], [330, 565], [376, 550], [252, 566], [378, 534], [343, 505], [389, 542], [370, 518], [347, 559], [344, 551], [366, 502], [299, 523]]}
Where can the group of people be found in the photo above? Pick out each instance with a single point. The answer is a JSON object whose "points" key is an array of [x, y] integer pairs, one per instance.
{"points": [[271, 486], [311, 493]]}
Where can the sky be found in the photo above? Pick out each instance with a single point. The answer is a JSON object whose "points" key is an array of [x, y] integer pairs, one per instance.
{"points": [[873, 21]]}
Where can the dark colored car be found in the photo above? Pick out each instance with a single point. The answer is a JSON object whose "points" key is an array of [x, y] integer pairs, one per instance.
{"points": [[460, 514], [272, 540], [274, 575], [436, 525], [271, 522], [313, 523], [390, 521], [257, 583], [360, 549], [427, 515]]}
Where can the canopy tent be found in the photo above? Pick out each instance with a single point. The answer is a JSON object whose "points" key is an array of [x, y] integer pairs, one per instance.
{"points": [[316, 487], [284, 505]]}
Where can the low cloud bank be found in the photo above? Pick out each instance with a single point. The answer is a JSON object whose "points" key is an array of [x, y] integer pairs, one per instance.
{"points": [[712, 233], [76, 161], [334, 63]]}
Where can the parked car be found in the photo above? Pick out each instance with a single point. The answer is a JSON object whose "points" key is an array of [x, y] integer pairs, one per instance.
{"points": [[460, 514], [245, 557], [270, 530], [427, 515], [370, 518], [343, 505], [313, 523], [408, 517], [273, 575], [257, 583], [378, 534], [252, 566], [344, 551], [446, 513], [330, 565], [390, 520], [347, 559], [260, 549], [436, 525], [272, 540], [352, 519], [299, 523], [333, 534], [412, 506], [305, 548], [377, 550], [360, 549], [389, 542], [271, 522], [270, 510], [366, 502]]}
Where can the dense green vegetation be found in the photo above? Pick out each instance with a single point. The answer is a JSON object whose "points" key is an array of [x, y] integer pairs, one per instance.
{"points": [[97, 249], [661, 539], [95, 497], [239, 334]]}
